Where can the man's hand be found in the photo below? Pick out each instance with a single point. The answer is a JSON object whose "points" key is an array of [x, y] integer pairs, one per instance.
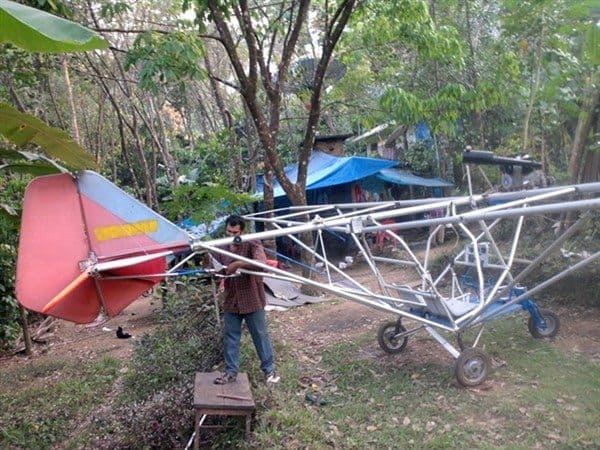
{"points": [[233, 267]]}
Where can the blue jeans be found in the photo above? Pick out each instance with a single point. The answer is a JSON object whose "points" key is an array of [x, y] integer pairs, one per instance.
{"points": [[257, 325]]}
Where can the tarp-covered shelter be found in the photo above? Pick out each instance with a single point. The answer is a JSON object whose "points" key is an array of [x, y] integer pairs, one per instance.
{"points": [[349, 179], [337, 179], [329, 177]]}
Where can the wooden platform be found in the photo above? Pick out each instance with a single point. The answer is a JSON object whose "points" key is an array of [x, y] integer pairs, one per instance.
{"points": [[231, 399]]}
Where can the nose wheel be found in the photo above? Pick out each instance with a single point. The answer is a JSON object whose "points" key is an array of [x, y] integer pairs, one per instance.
{"points": [[546, 328], [388, 338]]}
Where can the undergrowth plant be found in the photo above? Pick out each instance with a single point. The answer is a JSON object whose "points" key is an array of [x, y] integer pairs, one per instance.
{"points": [[157, 395], [579, 287], [11, 190]]}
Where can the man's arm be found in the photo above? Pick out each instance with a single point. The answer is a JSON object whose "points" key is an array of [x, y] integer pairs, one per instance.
{"points": [[257, 253]]}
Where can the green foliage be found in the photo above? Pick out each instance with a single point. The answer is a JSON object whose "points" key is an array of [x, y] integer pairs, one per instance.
{"points": [[36, 169], [22, 129], [554, 44], [156, 400], [19, 64], [110, 10], [206, 193], [403, 106], [9, 310], [166, 58], [36, 31], [420, 158], [205, 202], [184, 343], [401, 47], [11, 192], [580, 287], [203, 14]]}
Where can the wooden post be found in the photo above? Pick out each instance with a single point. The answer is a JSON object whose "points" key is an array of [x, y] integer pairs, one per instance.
{"points": [[26, 335]]}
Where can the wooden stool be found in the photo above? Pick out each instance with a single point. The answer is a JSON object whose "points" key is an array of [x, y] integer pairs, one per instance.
{"points": [[231, 399]]}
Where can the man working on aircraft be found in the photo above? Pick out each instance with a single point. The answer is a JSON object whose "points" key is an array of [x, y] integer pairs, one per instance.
{"points": [[244, 300]]}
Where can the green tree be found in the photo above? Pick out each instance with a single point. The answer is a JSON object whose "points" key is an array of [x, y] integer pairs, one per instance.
{"points": [[34, 31], [557, 46]]}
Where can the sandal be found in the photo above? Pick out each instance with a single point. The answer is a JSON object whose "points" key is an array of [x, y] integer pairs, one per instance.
{"points": [[225, 378]]}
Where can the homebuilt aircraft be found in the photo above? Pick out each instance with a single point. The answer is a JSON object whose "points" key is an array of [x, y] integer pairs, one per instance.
{"points": [[86, 246]]}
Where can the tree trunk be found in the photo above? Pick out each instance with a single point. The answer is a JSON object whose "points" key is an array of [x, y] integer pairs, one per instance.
{"points": [[50, 89], [186, 114], [160, 140], [125, 154], [99, 154], [227, 123], [578, 154], [70, 99], [253, 152], [584, 122], [591, 168], [149, 180], [268, 198], [477, 119], [265, 110], [25, 328], [535, 83]]}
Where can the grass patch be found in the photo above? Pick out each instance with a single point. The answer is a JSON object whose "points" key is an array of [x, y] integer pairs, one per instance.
{"points": [[556, 394], [344, 395], [41, 401], [541, 397]]}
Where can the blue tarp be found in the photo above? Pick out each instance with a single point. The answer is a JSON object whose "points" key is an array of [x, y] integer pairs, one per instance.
{"points": [[328, 170], [200, 230], [399, 176], [422, 132]]}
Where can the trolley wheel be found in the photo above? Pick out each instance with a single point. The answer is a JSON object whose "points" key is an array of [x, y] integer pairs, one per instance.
{"points": [[472, 367], [386, 336], [552, 325]]}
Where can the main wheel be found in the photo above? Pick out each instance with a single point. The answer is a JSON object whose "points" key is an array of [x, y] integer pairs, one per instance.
{"points": [[472, 367], [552, 325], [387, 337]]}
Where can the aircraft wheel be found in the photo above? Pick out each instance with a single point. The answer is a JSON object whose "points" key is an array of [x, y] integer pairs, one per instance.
{"points": [[552, 325], [386, 336], [472, 367]]}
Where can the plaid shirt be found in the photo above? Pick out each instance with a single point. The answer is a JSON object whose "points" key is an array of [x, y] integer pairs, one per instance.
{"points": [[244, 293]]}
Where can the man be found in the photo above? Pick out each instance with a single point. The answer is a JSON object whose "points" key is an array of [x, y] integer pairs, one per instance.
{"points": [[244, 300]]}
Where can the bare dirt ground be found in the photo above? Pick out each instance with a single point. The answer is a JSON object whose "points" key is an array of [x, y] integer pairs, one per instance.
{"points": [[313, 327], [72, 341], [307, 328]]}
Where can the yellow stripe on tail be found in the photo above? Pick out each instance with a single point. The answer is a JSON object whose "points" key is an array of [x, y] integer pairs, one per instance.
{"points": [[109, 232]]}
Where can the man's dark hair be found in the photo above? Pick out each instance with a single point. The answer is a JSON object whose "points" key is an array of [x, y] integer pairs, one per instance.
{"points": [[234, 221]]}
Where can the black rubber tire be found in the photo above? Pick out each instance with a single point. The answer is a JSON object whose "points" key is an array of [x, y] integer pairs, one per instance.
{"points": [[472, 367], [552, 325], [386, 339]]}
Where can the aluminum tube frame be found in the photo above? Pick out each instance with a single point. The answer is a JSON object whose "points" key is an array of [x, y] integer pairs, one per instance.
{"points": [[541, 286], [350, 224]]}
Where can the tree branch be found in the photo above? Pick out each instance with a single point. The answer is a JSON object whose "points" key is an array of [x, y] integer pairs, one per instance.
{"points": [[332, 35]]}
